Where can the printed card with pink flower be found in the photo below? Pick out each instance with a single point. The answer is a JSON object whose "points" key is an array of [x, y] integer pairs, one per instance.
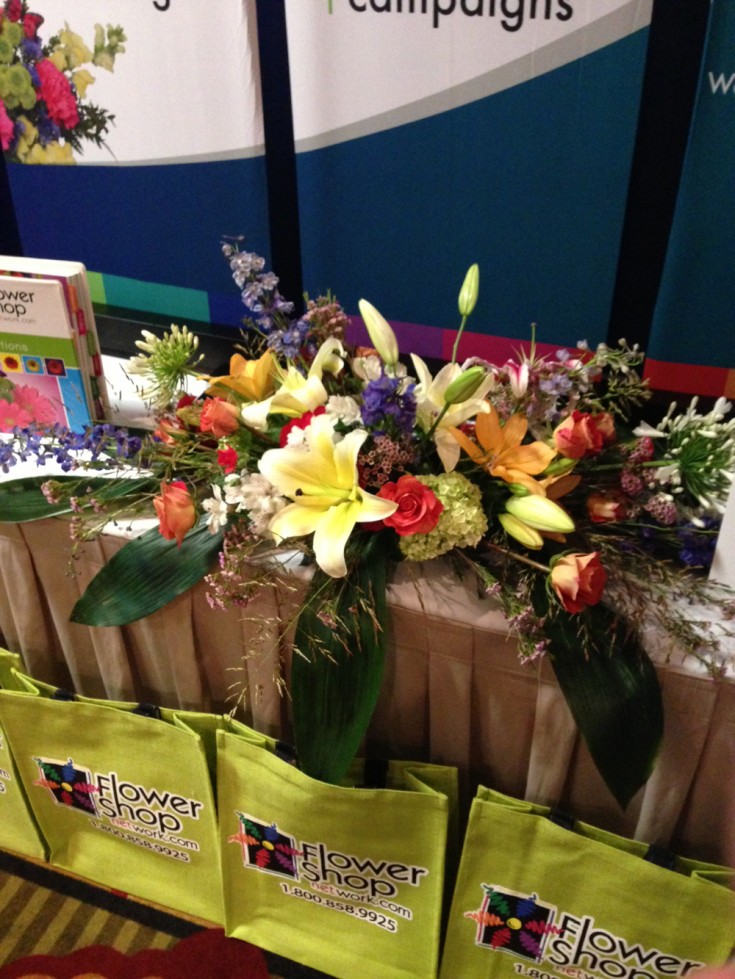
{"points": [[41, 379]]}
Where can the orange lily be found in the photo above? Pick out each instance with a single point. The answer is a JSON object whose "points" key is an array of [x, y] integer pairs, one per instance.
{"points": [[501, 450], [252, 380]]}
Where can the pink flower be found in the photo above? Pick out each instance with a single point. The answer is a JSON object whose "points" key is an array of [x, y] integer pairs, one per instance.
{"points": [[578, 580], [418, 510], [219, 417], [175, 511], [582, 434], [12, 416], [57, 94], [32, 401], [6, 128]]}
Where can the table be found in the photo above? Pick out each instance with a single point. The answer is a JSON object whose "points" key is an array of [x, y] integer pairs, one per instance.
{"points": [[454, 690]]}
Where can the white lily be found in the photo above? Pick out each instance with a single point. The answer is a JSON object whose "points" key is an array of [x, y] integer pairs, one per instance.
{"points": [[430, 401], [320, 477]]}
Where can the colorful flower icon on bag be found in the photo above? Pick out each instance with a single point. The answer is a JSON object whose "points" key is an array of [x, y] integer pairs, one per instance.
{"points": [[265, 848], [68, 785], [515, 923]]}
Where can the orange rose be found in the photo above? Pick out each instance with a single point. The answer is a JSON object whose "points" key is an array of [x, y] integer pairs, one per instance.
{"points": [[582, 434], [175, 511], [219, 417], [578, 580], [604, 508]]}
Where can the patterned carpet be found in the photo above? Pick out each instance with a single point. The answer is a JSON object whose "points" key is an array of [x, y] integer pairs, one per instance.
{"points": [[43, 912]]}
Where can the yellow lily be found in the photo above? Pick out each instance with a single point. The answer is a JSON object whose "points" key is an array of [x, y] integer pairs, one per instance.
{"points": [[500, 450], [431, 405], [295, 394], [320, 477], [252, 380]]}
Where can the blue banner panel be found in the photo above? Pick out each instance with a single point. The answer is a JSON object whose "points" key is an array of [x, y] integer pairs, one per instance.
{"points": [[479, 133], [694, 321]]}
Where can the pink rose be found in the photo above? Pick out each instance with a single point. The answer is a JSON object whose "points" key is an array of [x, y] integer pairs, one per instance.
{"points": [[578, 580], [175, 511], [604, 508], [418, 510], [57, 94], [219, 417], [6, 128], [582, 434]]}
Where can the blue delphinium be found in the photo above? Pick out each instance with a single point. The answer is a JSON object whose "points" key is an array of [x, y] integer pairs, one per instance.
{"points": [[389, 399], [698, 543]]}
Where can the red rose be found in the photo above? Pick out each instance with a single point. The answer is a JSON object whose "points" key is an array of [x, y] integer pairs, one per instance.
{"points": [[302, 422], [418, 510], [219, 417], [604, 508], [57, 94], [582, 434], [175, 511], [578, 580]]}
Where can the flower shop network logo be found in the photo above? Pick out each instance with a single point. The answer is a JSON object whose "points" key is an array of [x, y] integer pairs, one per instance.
{"points": [[265, 848], [572, 944], [515, 923], [68, 785], [512, 15]]}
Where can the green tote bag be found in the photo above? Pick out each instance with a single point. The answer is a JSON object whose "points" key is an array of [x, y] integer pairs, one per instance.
{"points": [[543, 897], [123, 795], [18, 829], [347, 880]]}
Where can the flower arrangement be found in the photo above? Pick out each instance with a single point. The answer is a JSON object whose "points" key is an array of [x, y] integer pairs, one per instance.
{"points": [[527, 476], [44, 111]]}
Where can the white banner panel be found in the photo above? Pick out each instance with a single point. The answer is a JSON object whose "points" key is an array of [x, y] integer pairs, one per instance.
{"points": [[186, 86]]}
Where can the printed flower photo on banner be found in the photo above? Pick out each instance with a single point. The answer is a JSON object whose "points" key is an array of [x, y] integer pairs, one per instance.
{"points": [[45, 114]]}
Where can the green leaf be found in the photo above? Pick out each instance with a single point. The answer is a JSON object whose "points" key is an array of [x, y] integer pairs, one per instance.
{"points": [[612, 690], [335, 682], [146, 574], [21, 500]]}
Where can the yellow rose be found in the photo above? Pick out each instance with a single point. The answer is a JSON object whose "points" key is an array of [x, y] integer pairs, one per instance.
{"points": [[82, 79]]}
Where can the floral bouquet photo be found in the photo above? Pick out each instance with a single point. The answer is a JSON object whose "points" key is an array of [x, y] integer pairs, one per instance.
{"points": [[530, 479], [45, 114]]}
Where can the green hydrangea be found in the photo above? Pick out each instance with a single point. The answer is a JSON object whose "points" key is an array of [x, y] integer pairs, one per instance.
{"points": [[462, 524]]}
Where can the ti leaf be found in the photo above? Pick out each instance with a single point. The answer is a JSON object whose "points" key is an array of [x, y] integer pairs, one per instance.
{"points": [[612, 690], [21, 500], [146, 574], [337, 670]]}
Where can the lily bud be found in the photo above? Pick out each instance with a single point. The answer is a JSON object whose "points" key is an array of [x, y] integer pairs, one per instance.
{"points": [[381, 333], [464, 385], [468, 292], [518, 489], [560, 466], [521, 531], [540, 513]]}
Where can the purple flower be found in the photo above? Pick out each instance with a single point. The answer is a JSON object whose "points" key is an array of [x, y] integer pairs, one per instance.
{"points": [[385, 400]]}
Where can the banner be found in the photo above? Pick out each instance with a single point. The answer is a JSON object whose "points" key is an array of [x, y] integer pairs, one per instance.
{"points": [[692, 343], [432, 134], [157, 105]]}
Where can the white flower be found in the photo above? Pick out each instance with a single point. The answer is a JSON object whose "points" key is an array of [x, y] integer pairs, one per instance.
{"points": [[344, 409], [253, 493], [216, 507], [367, 368]]}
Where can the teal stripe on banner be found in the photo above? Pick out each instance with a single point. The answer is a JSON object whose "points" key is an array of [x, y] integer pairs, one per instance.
{"points": [[156, 298], [694, 321]]}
